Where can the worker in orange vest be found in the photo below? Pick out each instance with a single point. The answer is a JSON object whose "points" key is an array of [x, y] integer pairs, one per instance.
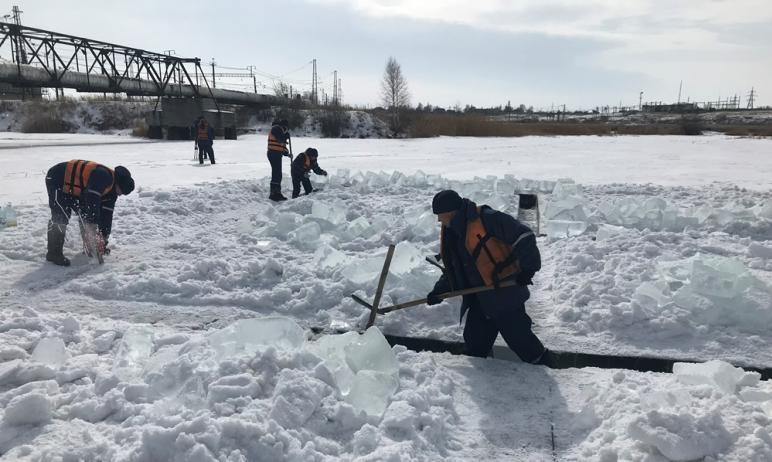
{"points": [[205, 141], [90, 190], [278, 138], [480, 246]]}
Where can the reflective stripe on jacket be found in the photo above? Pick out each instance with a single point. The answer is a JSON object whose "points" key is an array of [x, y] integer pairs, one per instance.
{"points": [[76, 176]]}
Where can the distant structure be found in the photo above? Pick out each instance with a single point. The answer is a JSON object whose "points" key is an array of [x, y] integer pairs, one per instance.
{"points": [[669, 107], [9, 91]]}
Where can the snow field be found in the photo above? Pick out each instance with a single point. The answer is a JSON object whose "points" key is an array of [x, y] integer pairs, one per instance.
{"points": [[257, 397], [192, 259]]}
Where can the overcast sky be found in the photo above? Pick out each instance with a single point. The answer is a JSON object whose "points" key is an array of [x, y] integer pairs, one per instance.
{"points": [[582, 53]]}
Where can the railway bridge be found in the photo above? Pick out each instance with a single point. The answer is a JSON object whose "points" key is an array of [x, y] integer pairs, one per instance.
{"points": [[46, 59]]}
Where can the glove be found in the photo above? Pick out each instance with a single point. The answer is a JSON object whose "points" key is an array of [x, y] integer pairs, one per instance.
{"points": [[432, 298], [324, 172], [286, 154]]}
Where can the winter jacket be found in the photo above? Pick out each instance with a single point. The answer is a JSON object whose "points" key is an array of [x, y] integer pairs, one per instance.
{"points": [[204, 135], [303, 163], [461, 271], [93, 185], [277, 140]]}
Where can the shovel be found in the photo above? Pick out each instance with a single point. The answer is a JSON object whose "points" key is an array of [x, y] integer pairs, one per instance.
{"points": [[422, 301]]}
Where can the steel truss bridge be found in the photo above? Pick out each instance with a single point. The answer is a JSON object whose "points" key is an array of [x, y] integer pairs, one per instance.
{"points": [[41, 58]]}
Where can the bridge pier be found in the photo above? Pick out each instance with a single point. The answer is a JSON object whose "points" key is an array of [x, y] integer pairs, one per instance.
{"points": [[175, 117]]}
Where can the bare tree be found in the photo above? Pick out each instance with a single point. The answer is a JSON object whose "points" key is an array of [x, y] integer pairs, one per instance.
{"points": [[394, 93]]}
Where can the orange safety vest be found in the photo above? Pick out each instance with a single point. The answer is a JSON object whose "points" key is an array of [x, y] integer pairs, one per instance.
{"points": [[203, 133], [76, 176], [274, 144], [486, 251]]}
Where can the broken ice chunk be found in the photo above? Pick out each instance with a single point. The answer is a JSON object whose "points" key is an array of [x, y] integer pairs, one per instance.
{"points": [[406, 257], [719, 277], [133, 351], [51, 351], [331, 212], [717, 373], [306, 235], [246, 336], [558, 229], [371, 351], [371, 391], [328, 257]]}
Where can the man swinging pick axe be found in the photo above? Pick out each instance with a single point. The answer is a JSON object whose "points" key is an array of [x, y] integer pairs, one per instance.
{"points": [[489, 259]]}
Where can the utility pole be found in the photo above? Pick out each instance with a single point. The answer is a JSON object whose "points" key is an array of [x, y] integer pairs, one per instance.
{"points": [[679, 91], [213, 82], [254, 79], [751, 97], [314, 89], [640, 101], [334, 88]]}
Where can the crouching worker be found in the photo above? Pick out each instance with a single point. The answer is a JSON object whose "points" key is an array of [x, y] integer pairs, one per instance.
{"points": [[301, 166], [480, 246], [90, 190]]}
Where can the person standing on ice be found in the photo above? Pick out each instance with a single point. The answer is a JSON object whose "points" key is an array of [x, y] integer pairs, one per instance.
{"points": [[480, 246], [89, 189], [278, 138], [304, 163], [204, 141]]}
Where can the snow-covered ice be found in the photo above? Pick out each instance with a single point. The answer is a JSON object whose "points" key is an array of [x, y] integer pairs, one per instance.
{"points": [[168, 351]]}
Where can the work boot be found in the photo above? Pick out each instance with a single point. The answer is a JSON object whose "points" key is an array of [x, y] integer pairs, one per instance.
{"points": [[55, 252], [547, 358], [276, 194]]}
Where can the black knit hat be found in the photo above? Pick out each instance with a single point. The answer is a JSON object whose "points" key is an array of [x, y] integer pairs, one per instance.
{"points": [[124, 179], [312, 152], [283, 123], [446, 201]]}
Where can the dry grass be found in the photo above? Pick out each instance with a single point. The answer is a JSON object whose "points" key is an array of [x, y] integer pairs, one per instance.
{"points": [[746, 130], [430, 125]]}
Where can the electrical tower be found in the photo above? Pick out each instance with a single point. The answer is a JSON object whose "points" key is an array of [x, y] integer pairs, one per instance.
{"points": [[751, 97], [20, 49], [213, 64], [340, 91]]}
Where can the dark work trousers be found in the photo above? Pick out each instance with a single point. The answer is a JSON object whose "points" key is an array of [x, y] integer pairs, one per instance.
{"points": [[511, 321], [275, 158], [297, 180], [61, 204], [205, 148]]}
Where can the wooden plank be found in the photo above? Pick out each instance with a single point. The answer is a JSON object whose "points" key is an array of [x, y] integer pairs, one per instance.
{"points": [[381, 283]]}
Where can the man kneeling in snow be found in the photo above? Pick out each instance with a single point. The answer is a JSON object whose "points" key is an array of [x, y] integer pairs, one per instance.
{"points": [[480, 246], [301, 166], [90, 189]]}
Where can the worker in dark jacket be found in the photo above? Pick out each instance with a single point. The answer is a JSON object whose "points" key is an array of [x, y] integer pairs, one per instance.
{"points": [[90, 190], [204, 141], [278, 138], [480, 246], [304, 163]]}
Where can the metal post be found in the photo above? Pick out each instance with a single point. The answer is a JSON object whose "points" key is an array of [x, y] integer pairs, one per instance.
{"points": [[214, 85]]}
